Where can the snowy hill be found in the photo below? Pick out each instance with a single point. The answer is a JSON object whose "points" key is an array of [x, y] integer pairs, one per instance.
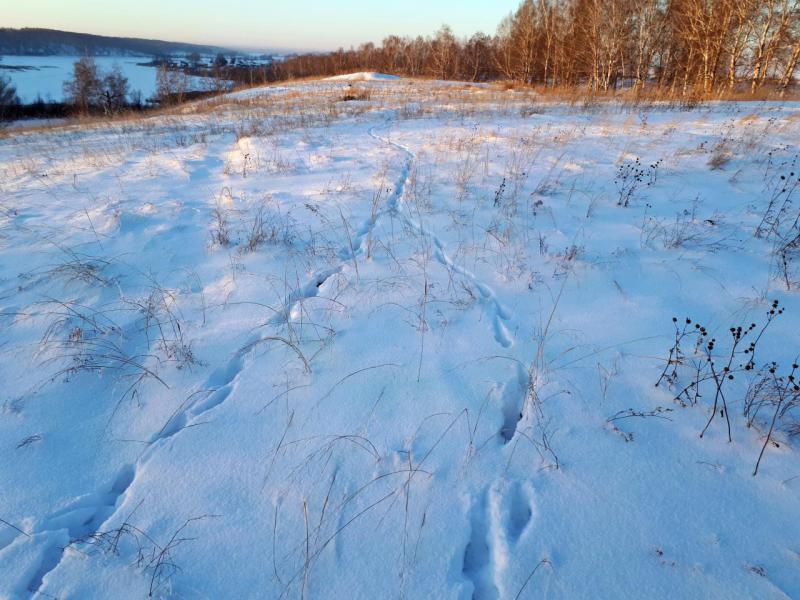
{"points": [[52, 42], [363, 76], [282, 345]]}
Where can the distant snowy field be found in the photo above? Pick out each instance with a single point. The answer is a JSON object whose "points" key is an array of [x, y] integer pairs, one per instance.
{"points": [[363, 76], [282, 345], [47, 75]]}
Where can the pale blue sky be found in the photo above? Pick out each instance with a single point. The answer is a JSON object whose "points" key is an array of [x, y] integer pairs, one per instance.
{"points": [[293, 24]]}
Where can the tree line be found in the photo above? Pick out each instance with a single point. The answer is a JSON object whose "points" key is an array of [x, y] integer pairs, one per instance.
{"points": [[677, 46], [91, 91], [674, 47]]}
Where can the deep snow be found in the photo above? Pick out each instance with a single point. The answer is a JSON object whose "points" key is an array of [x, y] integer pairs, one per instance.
{"points": [[284, 345]]}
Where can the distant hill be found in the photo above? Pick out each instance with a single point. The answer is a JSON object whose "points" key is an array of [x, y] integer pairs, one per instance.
{"points": [[52, 42]]}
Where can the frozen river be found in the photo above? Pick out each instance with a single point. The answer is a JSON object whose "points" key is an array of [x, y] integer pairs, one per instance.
{"points": [[47, 74]]}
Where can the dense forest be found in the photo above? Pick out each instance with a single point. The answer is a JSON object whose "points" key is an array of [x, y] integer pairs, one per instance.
{"points": [[679, 47]]}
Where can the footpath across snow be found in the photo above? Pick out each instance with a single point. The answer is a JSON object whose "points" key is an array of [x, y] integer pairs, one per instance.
{"points": [[284, 345]]}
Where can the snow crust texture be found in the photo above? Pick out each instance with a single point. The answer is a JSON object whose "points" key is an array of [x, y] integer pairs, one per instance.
{"points": [[284, 344]]}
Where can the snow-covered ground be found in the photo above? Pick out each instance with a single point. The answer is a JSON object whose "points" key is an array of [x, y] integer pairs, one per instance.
{"points": [[282, 345], [363, 76]]}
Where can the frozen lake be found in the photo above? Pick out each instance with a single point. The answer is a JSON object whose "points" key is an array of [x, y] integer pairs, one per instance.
{"points": [[47, 74]]}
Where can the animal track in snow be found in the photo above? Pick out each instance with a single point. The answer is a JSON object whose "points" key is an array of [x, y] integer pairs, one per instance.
{"points": [[514, 391], [309, 290], [477, 566], [86, 514], [497, 312], [216, 390], [499, 517], [513, 403], [517, 510], [79, 519]]}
